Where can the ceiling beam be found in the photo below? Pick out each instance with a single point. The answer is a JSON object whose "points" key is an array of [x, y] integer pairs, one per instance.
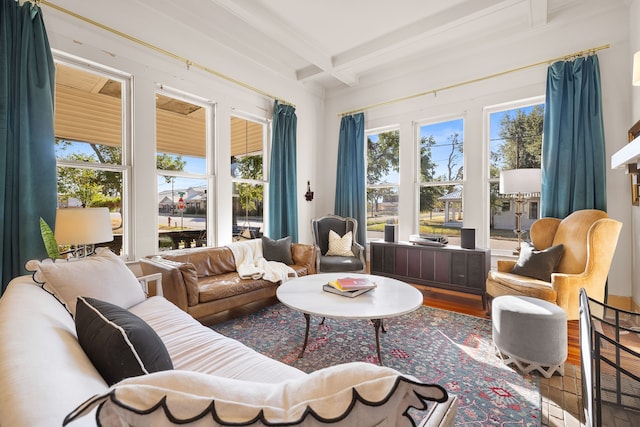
{"points": [[272, 26], [410, 34], [538, 12]]}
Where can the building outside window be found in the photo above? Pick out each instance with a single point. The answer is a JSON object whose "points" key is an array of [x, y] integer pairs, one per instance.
{"points": [[440, 178], [515, 141], [249, 177], [534, 210], [383, 180], [92, 142], [181, 163]]}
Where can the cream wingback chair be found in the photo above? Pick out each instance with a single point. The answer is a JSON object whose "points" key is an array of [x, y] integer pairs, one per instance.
{"points": [[589, 238]]}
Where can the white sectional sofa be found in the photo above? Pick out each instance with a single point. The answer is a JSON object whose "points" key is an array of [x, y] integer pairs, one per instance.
{"points": [[46, 377]]}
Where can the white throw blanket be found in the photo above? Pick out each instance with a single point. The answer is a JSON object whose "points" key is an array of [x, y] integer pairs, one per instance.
{"points": [[251, 264]]}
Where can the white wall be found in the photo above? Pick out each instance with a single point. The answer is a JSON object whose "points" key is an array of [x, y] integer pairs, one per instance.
{"points": [[564, 34], [151, 69]]}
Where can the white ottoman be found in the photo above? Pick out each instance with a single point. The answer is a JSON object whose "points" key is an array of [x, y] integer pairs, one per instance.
{"points": [[531, 333]]}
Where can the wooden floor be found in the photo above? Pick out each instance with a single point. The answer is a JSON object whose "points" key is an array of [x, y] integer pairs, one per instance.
{"points": [[472, 305]]}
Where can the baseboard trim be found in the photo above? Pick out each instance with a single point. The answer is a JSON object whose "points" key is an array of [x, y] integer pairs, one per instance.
{"points": [[623, 303]]}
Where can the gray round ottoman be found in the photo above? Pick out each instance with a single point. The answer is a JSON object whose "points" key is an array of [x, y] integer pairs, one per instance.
{"points": [[531, 333]]}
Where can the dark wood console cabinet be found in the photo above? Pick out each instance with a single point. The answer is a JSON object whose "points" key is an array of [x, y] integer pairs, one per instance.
{"points": [[447, 267]]}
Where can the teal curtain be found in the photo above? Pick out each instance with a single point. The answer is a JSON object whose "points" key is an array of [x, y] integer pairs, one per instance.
{"points": [[283, 204], [28, 188], [573, 152], [350, 186]]}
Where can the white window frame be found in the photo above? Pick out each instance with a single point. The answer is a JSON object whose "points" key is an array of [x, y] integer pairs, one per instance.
{"points": [[487, 111], [210, 145], [396, 185], [416, 145], [126, 82], [266, 163]]}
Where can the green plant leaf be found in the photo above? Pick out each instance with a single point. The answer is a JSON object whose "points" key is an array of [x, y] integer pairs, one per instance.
{"points": [[50, 243]]}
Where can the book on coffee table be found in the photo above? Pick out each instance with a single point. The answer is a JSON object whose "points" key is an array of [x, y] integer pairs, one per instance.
{"points": [[350, 294], [349, 286], [353, 283]]}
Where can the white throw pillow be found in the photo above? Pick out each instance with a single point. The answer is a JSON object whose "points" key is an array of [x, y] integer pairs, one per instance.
{"points": [[340, 246], [103, 276], [351, 394]]}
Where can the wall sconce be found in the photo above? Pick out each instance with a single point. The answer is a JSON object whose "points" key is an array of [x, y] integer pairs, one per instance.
{"points": [[309, 194]]}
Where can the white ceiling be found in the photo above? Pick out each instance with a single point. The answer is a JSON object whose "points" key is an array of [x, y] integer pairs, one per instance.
{"points": [[336, 42], [332, 44]]}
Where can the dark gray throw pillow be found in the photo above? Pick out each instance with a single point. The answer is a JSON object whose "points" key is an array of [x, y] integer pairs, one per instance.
{"points": [[118, 343], [538, 264], [277, 250]]}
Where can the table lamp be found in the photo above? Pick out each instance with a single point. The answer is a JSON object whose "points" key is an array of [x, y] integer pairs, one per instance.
{"points": [[82, 228], [520, 181]]}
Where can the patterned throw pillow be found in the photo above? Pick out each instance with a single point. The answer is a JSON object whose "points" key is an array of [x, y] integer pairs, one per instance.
{"points": [[340, 246]]}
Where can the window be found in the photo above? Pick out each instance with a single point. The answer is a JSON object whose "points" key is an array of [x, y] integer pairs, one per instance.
{"points": [[533, 210], [515, 141], [91, 138], [181, 161], [441, 159], [248, 173], [382, 181]]}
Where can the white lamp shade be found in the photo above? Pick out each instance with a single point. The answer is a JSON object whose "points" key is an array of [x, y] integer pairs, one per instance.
{"points": [[83, 226], [520, 181], [636, 69]]}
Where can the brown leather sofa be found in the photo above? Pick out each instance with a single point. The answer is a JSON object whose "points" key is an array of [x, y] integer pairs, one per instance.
{"points": [[204, 281], [589, 238]]}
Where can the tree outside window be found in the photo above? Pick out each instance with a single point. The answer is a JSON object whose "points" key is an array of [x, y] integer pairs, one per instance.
{"points": [[515, 142], [89, 144], [383, 181], [248, 177], [441, 173], [181, 164]]}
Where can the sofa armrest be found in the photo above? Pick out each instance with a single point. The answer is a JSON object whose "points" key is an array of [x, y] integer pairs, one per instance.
{"points": [[304, 255], [151, 284], [358, 252], [173, 286]]}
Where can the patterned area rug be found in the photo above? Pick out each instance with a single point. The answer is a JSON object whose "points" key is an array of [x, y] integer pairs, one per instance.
{"points": [[436, 346]]}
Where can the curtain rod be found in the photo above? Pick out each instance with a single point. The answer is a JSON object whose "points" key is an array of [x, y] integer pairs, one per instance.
{"points": [[177, 57], [479, 79]]}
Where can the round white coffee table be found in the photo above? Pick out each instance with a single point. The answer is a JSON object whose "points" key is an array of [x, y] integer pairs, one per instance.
{"points": [[390, 298]]}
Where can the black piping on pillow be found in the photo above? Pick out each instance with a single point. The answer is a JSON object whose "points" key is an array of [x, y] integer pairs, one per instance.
{"points": [[118, 343]]}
